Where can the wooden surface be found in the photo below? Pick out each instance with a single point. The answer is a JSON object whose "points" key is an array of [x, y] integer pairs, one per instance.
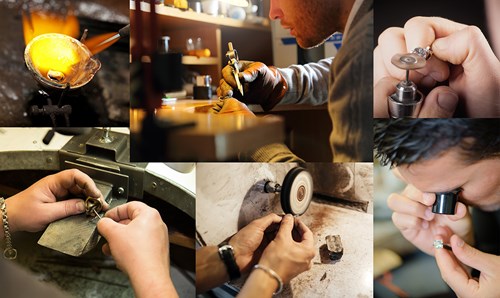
{"points": [[202, 136]]}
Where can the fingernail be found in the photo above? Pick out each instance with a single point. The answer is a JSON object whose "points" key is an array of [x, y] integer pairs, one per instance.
{"points": [[448, 101], [460, 243], [80, 207]]}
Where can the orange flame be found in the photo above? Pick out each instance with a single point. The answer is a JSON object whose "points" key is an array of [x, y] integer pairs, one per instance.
{"points": [[41, 22], [101, 42]]}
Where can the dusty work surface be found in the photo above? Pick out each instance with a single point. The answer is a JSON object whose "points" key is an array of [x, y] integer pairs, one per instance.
{"points": [[227, 200], [351, 276], [102, 102]]}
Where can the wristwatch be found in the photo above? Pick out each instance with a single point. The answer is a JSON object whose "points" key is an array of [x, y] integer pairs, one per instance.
{"points": [[226, 254]]}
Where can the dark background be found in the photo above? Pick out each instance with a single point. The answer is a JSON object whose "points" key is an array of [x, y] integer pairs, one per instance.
{"points": [[395, 13]]}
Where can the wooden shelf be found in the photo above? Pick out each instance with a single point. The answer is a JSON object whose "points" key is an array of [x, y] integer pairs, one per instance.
{"points": [[192, 16], [193, 60], [253, 41], [190, 60]]}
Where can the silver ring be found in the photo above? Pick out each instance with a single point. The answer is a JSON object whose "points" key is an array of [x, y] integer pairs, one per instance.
{"points": [[424, 53]]}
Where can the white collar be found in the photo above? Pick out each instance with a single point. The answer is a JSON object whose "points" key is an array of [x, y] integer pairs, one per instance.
{"points": [[354, 11]]}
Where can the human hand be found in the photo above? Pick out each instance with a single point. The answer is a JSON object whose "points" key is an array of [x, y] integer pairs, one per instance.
{"points": [[34, 208], [138, 241], [231, 106], [286, 256], [249, 243], [414, 218], [462, 56], [450, 265], [261, 84]]}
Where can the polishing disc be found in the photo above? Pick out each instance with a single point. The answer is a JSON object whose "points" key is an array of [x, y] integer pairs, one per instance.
{"points": [[297, 191], [408, 61]]}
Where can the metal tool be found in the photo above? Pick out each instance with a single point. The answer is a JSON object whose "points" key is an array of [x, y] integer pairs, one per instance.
{"points": [[296, 191], [446, 202], [232, 55], [407, 100], [97, 45]]}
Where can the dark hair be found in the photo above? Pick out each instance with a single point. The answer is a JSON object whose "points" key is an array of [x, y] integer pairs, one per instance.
{"points": [[405, 141]]}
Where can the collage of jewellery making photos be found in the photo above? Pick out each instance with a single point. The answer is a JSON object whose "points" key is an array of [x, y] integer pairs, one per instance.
{"points": [[250, 148]]}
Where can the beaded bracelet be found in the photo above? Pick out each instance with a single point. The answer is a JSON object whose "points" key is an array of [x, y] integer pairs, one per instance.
{"points": [[273, 274], [9, 252]]}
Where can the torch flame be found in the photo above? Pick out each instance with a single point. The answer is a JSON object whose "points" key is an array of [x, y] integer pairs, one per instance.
{"points": [[40, 22]]}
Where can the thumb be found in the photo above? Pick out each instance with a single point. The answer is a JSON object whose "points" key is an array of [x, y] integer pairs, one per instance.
{"points": [[106, 226], [286, 226], [441, 102], [62, 209], [472, 257]]}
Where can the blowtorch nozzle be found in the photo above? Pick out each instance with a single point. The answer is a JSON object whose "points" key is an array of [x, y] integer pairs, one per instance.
{"points": [[125, 31]]}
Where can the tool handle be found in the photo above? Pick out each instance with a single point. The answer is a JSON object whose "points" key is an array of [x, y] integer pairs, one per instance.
{"points": [[125, 31]]}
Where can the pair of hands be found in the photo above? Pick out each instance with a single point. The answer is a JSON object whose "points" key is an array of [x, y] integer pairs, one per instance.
{"points": [[287, 249], [414, 218], [462, 56], [137, 237]]}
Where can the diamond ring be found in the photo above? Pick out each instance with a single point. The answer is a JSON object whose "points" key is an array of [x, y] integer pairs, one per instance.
{"points": [[424, 53]]}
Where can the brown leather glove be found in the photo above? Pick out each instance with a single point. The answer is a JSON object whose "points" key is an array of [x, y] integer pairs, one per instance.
{"points": [[261, 84], [231, 106]]}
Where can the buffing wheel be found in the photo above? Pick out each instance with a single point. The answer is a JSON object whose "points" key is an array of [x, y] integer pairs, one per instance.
{"points": [[408, 61], [297, 191]]}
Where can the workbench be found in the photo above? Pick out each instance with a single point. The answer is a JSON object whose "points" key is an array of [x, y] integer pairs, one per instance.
{"points": [[187, 131]]}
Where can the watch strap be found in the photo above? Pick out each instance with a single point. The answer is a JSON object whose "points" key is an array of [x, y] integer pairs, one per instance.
{"points": [[226, 253]]}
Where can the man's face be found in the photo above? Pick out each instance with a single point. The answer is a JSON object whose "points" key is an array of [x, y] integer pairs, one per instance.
{"points": [[480, 181], [311, 22]]}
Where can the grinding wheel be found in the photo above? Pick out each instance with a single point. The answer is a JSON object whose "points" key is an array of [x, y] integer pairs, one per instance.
{"points": [[408, 61], [297, 191]]}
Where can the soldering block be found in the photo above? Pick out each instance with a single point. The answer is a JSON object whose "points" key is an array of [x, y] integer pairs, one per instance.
{"points": [[334, 246]]}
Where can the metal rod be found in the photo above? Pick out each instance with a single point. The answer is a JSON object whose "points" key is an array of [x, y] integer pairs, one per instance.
{"points": [[97, 214], [84, 35]]}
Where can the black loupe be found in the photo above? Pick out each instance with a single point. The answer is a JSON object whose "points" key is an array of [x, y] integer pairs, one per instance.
{"points": [[446, 202]]}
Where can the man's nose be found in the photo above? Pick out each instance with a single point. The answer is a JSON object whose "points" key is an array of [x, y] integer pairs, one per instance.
{"points": [[275, 11]]}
